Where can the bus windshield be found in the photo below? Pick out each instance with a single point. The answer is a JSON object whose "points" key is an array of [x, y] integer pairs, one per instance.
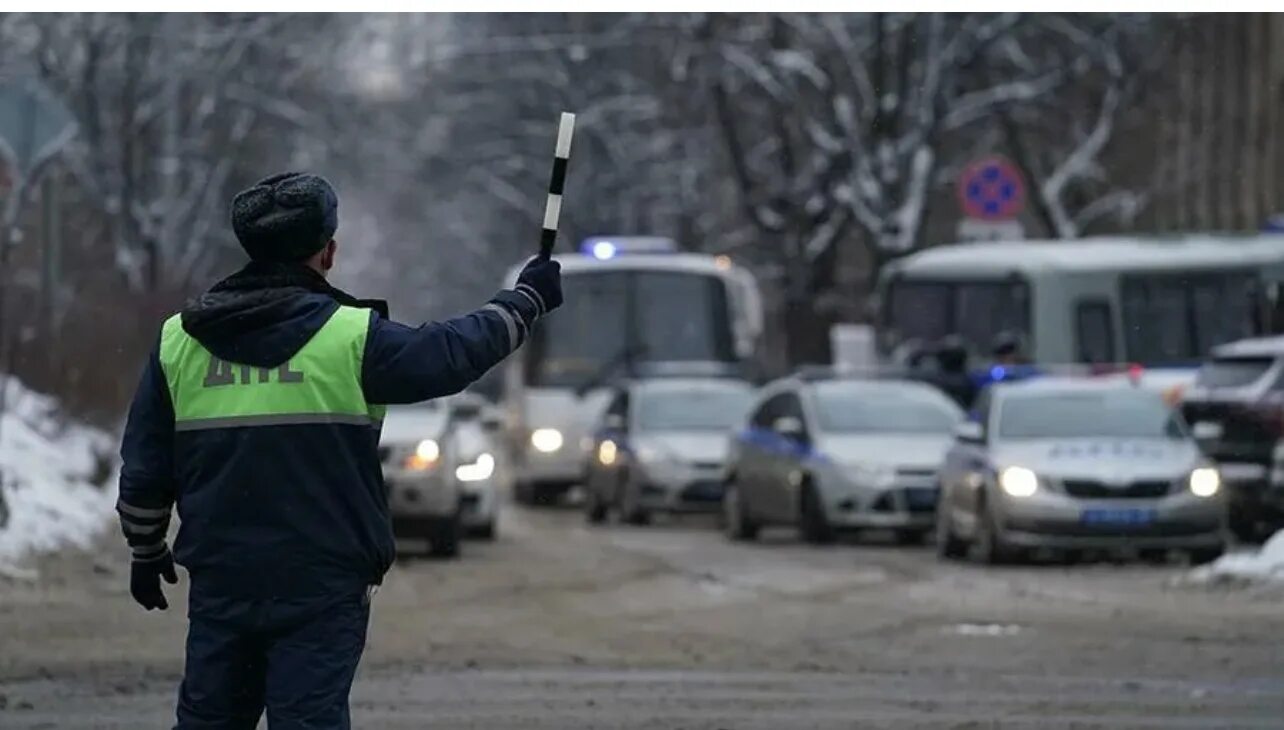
{"points": [[978, 311], [666, 316]]}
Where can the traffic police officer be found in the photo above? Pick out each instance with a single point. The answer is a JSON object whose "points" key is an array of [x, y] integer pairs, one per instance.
{"points": [[258, 416]]}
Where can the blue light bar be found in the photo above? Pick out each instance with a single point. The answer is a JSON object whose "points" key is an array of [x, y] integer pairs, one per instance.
{"points": [[603, 248]]}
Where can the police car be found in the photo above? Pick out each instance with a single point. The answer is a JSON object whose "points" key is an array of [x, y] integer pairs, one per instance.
{"points": [[1072, 463], [661, 445], [827, 452]]}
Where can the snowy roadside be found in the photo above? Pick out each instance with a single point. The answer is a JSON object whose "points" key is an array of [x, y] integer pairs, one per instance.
{"points": [[57, 480], [1262, 566]]}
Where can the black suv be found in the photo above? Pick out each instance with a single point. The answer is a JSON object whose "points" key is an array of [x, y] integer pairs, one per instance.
{"points": [[1236, 411]]}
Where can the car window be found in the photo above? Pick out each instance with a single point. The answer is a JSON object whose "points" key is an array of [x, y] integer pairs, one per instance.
{"points": [[842, 408], [692, 409], [1232, 372], [1101, 414], [773, 408]]}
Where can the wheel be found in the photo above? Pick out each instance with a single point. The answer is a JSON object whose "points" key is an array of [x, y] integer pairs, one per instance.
{"points": [[948, 545], [913, 536], [736, 522], [989, 547], [812, 522], [594, 509], [1200, 556], [443, 539], [632, 513]]}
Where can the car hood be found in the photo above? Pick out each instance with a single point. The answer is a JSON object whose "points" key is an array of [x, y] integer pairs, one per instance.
{"points": [[1106, 460], [907, 451], [690, 446]]}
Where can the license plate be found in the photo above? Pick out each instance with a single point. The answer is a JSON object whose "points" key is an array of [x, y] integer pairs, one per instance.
{"points": [[1117, 516], [1242, 472]]}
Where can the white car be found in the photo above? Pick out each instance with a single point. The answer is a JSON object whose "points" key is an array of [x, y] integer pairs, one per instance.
{"points": [[424, 498], [1073, 464], [473, 436], [661, 445], [830, 453]]}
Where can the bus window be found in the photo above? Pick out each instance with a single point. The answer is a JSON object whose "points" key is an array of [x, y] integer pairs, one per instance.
{"points": [[977, 311], [1094, 331], [571, 344], [682, 317], [1172, 319], [920, 310]]}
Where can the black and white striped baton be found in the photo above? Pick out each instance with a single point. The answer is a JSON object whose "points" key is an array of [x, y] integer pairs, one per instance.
{"points": [[553, 208]]}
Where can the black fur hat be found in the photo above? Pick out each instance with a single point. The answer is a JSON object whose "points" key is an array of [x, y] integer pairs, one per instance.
{"points": [[286, 217]]}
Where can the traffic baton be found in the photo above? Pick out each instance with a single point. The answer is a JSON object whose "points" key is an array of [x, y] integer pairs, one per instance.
{"points": [[553, 208]]}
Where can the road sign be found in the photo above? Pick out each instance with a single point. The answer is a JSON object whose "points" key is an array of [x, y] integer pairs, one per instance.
{"points": [[991, 189], [34, 125]]}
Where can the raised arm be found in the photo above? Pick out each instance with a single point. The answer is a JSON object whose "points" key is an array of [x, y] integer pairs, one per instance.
{"points": [[410, 364]]}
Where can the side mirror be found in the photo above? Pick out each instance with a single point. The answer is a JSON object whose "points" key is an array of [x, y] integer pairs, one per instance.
{"points": [[789, 427], [969, 432], [614, 422]]}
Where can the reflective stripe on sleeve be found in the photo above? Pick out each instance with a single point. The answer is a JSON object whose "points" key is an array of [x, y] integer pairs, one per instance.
{"points": [[510, 323]]}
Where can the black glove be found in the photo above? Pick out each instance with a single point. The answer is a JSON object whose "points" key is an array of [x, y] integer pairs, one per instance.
{"points": [[145, 581], [541, 279]]}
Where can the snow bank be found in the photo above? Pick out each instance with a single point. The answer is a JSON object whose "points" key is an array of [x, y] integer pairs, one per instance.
{"points": [[1266, 564], [49, 468]]}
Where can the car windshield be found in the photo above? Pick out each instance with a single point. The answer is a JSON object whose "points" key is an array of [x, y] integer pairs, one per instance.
{"points": [[845, 408], [1100, 414], [1232, 372], [693, 409]]}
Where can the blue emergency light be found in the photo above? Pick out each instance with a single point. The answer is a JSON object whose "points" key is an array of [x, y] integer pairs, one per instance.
{"points": [[606, 248]]}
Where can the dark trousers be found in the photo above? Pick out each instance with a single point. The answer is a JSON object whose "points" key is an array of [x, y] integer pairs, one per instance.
{"points": [[294, 658]]}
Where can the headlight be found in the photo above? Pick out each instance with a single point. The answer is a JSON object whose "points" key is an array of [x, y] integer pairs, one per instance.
{"points": [[479, 470], [606, 452], [1018, 481], [1205, 481], [546, 440], [878, 476], [425, 456]]}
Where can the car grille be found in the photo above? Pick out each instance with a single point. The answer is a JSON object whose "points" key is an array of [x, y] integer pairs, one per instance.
{"points": [[707, 465], [1089, 489], [702, 491], [916, 473]]}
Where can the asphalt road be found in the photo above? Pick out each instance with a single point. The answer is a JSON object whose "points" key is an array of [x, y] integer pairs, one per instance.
{"points": [[561, 625]]}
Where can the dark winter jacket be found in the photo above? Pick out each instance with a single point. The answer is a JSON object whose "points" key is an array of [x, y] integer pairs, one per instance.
{"points": [[293, 505]]}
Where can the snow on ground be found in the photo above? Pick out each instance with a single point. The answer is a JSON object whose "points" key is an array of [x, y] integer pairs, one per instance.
{"points": [[49, 468], [1265, 564]]}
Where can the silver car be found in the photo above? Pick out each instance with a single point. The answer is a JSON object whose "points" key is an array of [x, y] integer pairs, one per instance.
{"points": [[661, 445], [832, 453], [424, 497], [1077, 463]]}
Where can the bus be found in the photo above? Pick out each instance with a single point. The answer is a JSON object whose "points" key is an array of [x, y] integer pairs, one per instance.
{"points": [[1147, 302], [631, 304]]}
